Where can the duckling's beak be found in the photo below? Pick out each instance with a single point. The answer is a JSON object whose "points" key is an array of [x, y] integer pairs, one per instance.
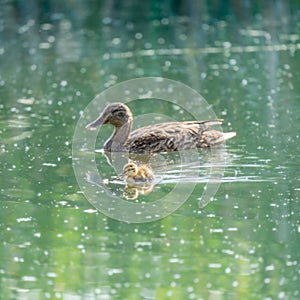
{"points": [[100, 121], [121, 175]]}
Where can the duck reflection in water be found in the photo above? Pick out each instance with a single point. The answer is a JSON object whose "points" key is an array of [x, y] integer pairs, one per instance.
{"points": [[139, 180]]}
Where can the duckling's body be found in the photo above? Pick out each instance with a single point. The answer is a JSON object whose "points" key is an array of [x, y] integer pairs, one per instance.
{"points": [[137, 175], [162, 137]]}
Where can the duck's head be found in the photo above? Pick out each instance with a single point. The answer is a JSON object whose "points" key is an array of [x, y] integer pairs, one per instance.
{"points": [[130, 169], [116, 114]]}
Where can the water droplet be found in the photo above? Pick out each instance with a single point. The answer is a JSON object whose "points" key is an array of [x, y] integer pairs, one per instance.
{"points": [[138, 35]]}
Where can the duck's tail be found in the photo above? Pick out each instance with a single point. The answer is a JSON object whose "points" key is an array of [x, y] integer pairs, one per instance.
{"points": [[226, 136], [212, 138]]}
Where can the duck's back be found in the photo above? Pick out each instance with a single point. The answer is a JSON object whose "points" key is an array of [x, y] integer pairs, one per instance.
{"points": [[171, 136]]}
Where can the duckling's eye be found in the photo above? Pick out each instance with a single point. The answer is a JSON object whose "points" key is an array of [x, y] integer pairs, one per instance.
{"points": [[129, 169]]}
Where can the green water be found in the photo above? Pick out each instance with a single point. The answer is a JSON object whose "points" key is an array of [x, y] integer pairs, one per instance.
{"points": [[244, 61]]}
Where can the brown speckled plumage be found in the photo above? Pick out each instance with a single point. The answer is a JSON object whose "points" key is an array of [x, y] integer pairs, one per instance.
{"points": [[162, 137], [135, 174]]}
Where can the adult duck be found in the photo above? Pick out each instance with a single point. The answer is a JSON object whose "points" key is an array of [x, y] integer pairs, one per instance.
{"points": [[162, 137]]}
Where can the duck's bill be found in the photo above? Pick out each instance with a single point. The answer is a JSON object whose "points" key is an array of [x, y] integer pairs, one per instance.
{"points": [[93, 125]]}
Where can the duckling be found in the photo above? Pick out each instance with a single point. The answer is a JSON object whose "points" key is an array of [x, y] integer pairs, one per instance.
{"points": [[161, 137], [136, 175]]}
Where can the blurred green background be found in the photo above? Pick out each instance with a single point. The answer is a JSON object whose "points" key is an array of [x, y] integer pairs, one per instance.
{"points": [[242, 56]]}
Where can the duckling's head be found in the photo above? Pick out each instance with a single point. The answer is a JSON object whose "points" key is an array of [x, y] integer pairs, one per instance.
{"points": [[116, 114], [130, 169]]}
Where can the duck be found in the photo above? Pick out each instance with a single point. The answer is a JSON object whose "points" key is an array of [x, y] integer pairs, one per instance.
{"points": [[160, 137], [138, 175]]}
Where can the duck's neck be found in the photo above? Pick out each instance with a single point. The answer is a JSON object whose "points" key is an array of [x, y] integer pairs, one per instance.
{"points": [[118, 138]]}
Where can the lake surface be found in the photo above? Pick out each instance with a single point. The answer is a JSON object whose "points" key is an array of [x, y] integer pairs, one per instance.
{"points": [[241, 244]]}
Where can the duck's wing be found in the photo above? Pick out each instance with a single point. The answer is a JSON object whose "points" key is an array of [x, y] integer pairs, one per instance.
{"points": [[147, 143], [169, 136], [208, 137]]}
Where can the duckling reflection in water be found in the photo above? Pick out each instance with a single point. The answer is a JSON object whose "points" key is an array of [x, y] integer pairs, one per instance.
{"points": [[132, 193], [139, 179]]}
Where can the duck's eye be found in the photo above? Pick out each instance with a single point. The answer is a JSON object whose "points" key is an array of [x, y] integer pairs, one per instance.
{"points": [[118, 113]]}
